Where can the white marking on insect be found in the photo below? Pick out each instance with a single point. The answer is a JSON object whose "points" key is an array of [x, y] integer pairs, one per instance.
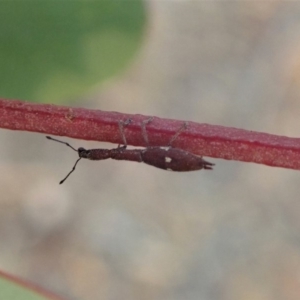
{"points": [[168, 159], [165, 148]]}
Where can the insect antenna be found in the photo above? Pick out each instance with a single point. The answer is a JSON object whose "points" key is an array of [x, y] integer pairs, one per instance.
{"points": [[62, 181], [67, 144]]}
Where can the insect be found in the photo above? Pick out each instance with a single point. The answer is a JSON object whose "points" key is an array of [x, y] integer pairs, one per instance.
{"points": [[166, 158]]}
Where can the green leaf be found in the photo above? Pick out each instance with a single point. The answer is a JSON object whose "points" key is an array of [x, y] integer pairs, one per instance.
{"points": [[12, 291], [56, 50]]}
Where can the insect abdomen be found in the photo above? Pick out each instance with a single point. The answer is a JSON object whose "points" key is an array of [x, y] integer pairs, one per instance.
{"points": [[174, 159]]}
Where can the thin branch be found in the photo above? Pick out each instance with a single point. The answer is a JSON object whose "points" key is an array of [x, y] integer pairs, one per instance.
{"points": [[29, 286], [202, 139]]}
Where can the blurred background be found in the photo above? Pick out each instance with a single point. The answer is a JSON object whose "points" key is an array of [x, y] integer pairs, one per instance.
{"points": [[123, 230]]}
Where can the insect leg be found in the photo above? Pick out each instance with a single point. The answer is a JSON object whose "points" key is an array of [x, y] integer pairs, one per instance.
{"points": [[144, 131], [121, 129], [182, 128]]}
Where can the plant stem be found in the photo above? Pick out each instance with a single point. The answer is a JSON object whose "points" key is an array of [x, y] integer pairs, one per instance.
{"points": [[201, 139]]}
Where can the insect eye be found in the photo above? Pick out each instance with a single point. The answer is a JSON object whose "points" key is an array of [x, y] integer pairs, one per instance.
{"points": [[83, 152]]}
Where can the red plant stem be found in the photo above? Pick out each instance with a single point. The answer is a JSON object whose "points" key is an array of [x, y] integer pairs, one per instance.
{"points": [[29, 286], [202, 139]]}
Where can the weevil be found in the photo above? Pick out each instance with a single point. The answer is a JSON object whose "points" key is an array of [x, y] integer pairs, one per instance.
{"points": [[166, 158]]}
